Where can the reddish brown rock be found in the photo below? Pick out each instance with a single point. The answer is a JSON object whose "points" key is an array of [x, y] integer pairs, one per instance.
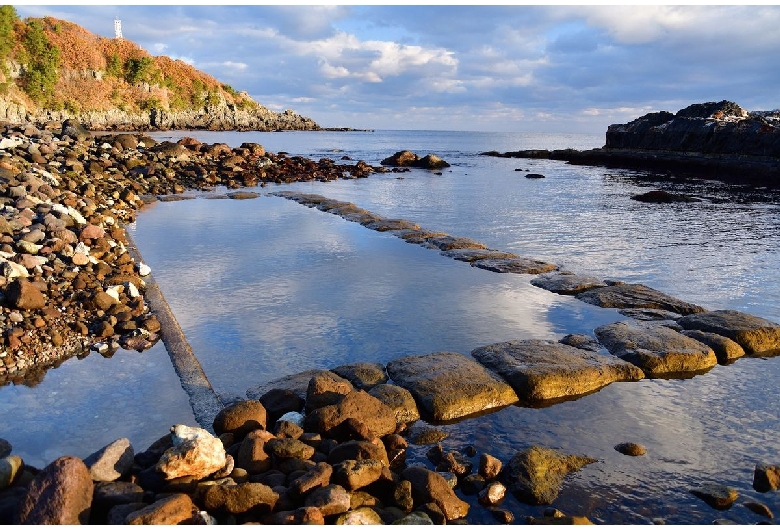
{"points": [[306, 515], [252, 455], [325, 389], [330, 500], [60, 494], [377, 416], [240, 418], [176, 509], [24, 295], [316, 477], [241, 498], [428, 486], [355, 474], [358, 450]]}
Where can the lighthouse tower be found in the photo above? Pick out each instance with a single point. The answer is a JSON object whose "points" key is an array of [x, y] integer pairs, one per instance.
{"points": [[117, 29]]}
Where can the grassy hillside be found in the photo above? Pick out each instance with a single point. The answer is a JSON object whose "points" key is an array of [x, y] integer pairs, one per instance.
{"points": [[51, 64]]}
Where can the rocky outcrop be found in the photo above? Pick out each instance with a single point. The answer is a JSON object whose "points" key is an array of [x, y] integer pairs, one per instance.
{"points": [[756, 335], [410, 159]]}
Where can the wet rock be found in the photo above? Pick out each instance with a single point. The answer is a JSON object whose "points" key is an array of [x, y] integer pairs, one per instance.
{"points": [[242, 498], [446, 243], [112, 462], [514, 265], [489, 467], [424, 435], [240, 418], [567, 283], [177, 508], [448, 385], [726, 350], [759, 508], [630, 449], [363, 376], [399, 400], [657, 350], [10, 466], [766, 477], [502, 515], [326, 389], [717, 496], [474, 254], [662, 197], [24, 295], [562, 520], [195, 453], [651, 315], [386, 225], [535, 475], [472, 484], [540, 370], [454, 462], [60, 494], [410, 159], [243, 195], [330, 500], [379, 418], [428, 486], [625, 296], [493, 494], [756, 335]]}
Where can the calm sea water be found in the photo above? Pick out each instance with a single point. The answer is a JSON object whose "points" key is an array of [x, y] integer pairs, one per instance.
{"points": [[267, 287]]}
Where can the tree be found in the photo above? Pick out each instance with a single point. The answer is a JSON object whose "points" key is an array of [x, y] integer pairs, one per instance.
{"points": [[43, 60], [139, 70], [7, 18]]}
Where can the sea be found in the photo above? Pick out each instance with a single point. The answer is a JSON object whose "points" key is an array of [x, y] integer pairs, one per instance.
{"points": [[267, 287]]}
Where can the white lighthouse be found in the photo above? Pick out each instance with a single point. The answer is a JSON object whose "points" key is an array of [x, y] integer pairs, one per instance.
{"points": [[117, 29]]}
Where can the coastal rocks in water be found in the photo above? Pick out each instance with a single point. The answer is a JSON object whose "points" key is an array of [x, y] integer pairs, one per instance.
{"points": [[446, 243], [429, 486], [111, 462], [298, 383], [60, 494], [410, 159], [515, 265], [656, 349], [9, 470], [535, 475], [399, 400], [448, 385], [386, 225], [326, 389], [534, 176], [726, 350], [540, 370], [240, 418], [756, 335], [567, 283], [363, 376], [662, 197], [475, 254], [766, 477], [630, 449], [625, 295], [359, 405], [717, 496], [195, 453]]}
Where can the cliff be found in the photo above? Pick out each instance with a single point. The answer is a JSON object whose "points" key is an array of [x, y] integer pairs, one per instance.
{"points": [[52, 70]]}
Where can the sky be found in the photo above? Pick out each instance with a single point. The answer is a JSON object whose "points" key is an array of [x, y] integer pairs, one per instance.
{"points": [[517, 68]]}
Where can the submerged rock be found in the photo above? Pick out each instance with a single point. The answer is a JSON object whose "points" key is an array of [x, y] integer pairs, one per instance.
{"points": [[514, 265], [567, 283], [717, 496], [540, 370], [636, 296]]}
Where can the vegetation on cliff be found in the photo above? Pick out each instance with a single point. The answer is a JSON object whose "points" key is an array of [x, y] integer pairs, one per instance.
{"points": [[54, 68]]}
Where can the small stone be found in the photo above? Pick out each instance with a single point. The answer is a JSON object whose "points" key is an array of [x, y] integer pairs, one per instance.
{"points": [[630, 449], [502, 515], [489, 467], [493, 494], [240, 418], [143, 269], [759, 508], [289, 448], [717, 496], [331, 500]]}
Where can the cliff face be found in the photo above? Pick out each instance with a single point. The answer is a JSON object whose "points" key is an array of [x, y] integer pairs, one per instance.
{"points": [[710, 128]]}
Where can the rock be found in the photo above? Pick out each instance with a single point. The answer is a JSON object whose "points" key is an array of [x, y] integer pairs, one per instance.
{"points": [[60, 494], [113, 493], [766, 477], [657, 350], [279, 401], [428, 486], [358, 450], [306, 515], [75, 130], [558, 521], [359, 405], [289, 448], [759, 508], [454, 462], [387, 225], [298, 383], [502, 515], [356, 474], [717, 496], [534, 176], [756, 335], [472, 484], [326, 389], [424, 435], [243, 195], [363, 376], [177, 508], [9, 470], [252, 455], [583, 342], [514, 265], [489, 467], [287, 429], [112, 462], [399, 400], [330, 500], [195, 453], [361, 516], [492, 494], [432, 161], [318, 476], [474, 254], [630, 449], [726, 350], [240, 418], [625, 296], [414, 519], [662, 197], [446, 243], [401, 159], [240, 498], [535, 475], [402, 496], [567, 283], [448, 385], [24, 295], [540, 370]]}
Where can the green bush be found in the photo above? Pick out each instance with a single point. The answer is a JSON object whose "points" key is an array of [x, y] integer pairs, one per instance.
{"points": [[43, 60]]}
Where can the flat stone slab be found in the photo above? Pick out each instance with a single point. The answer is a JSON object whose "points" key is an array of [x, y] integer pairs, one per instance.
{"points": [[540, 370], [515, 265], [386, 225], [298, 383], [452, 242], [448, 385], [634, 296], [726, 350], [418, 237], [474, 254], [657, 350], [566, 283], [756, 335]]}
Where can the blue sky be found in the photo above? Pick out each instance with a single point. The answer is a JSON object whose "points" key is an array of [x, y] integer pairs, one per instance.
{"points": [[497, 68]]}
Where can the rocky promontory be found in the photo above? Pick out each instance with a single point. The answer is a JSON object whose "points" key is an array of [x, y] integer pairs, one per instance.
{"points": [[713, 140]]}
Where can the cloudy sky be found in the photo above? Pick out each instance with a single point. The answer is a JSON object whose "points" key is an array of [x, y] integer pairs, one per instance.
{"points": [[498, 68]]}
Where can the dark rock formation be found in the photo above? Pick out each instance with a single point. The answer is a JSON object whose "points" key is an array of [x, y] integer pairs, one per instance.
{"points": [[409, 159]]}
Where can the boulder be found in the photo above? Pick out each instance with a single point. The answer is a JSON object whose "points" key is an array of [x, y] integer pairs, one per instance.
{"points": [[330, 500], [326, 389], [726, 350], [657, 350], [252, 455], [195, 453], [401, 159], [540, 370], [628, 296], [756, 335], [718, 496], [662, 197], [448, 386], [535, 475], [289, 448], [240, 498], [470, 255], [176, 509], [446, 243], [399, 400], [358, 450], [316, 477], [60, 494], [766, 477], [567, 283], [363, 376], [298, 383], [22, 294], [111, 462], [630, 449], [278, 402], [377, 416], [240, 418], [75, 130], [514, 265], [361, 516], [429, 486], [356, 474], [432, 161]]}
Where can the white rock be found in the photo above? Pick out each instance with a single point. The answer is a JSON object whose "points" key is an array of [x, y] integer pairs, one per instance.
{"points": [[114, 291], [195, 453], [132, 290], [77, 217], [13, 270], [144, 269], [293, 417]]}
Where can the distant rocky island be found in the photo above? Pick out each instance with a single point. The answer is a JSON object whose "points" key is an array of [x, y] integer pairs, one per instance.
{"points": [[713, 140], [52, 70]]}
